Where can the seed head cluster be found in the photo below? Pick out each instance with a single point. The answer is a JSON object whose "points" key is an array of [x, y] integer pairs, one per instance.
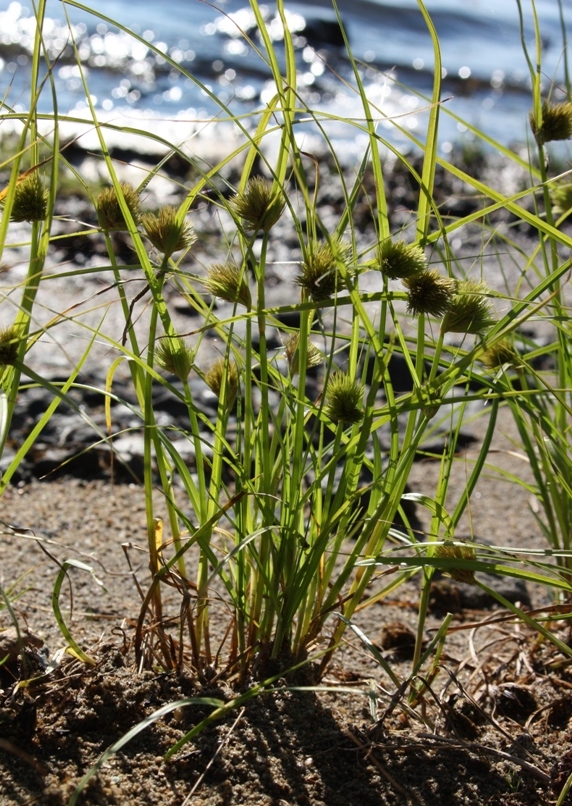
{"points": [[555, 123], [30, 202], [344, 396], [9, 346], [222, 378], [175, 357], [469, 309], [320, 276], [399, 260], [227, 281], [259, 206], [499, 355], [292, 350], [167, 231], [109, 212], [429, 292]]}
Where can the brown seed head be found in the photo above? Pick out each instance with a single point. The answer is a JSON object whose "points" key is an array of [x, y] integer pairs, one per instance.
{"points": [[109, 212], [258, 205], [429, 293]]}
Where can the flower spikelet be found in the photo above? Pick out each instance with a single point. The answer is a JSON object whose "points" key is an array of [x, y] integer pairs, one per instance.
{"points": [[450, 551], [320, 271], [500, 354], [223, 372], [292, 349], [344, 396], [30, 201], [258, 205], [399, 260], [556, 122], [227, 281], [429, 293], [561, 197], [166, 232], [175, 357], [9, 345], [469, 311], [109, 212]]}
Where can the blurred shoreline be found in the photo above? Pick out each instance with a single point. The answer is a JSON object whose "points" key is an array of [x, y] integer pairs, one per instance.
{"points": [[485, 78]]}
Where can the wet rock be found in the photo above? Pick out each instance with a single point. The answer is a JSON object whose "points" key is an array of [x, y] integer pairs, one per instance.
{"points": [[450, 596], [322, 31]]}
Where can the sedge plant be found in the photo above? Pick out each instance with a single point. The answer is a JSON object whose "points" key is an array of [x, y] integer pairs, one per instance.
{"points": [[274, 533]]}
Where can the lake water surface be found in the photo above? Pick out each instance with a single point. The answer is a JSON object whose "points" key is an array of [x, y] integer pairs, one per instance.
{"points": [[486, 76]]}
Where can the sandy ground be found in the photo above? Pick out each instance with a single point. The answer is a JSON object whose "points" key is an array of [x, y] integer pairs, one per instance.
{"points": [[285, 748]]}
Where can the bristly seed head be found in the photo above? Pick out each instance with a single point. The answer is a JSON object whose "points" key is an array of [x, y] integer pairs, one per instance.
{"points": [[175, 357], [9, 346], [30, 201], [469, 310], [556, 122], [109, 212], [320, 271], [223, 372], [344, 397], [227, 281], [451, 551], [561, 197], [399, 260], [166, 232], [429, 293], [258, 205], [499, 355], [292, 349]]}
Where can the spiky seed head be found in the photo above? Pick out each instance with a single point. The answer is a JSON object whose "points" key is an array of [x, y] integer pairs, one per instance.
{"points": [[561, 197], [167, 233], [556, 122], [227, 281], [499, 355], [429, 293], [175, 357], [451, 551], [398, 260], [30, 201], [258, 205], [223, 372], [344, 397], [320, 271], [469, 310], [109, 212], [292, 350], [9, 345]]}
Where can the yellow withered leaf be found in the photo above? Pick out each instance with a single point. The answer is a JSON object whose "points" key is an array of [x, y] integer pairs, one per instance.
{"points": [[22, 177]]}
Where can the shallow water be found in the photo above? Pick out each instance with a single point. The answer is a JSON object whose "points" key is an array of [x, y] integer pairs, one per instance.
{"points": [[486, 77]]}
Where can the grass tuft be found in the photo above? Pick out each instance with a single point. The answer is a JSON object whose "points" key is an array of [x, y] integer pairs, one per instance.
{"points": [[279, 517]]}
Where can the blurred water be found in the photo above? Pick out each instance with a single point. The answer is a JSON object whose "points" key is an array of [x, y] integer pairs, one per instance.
{"points": [[486, 76]]}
